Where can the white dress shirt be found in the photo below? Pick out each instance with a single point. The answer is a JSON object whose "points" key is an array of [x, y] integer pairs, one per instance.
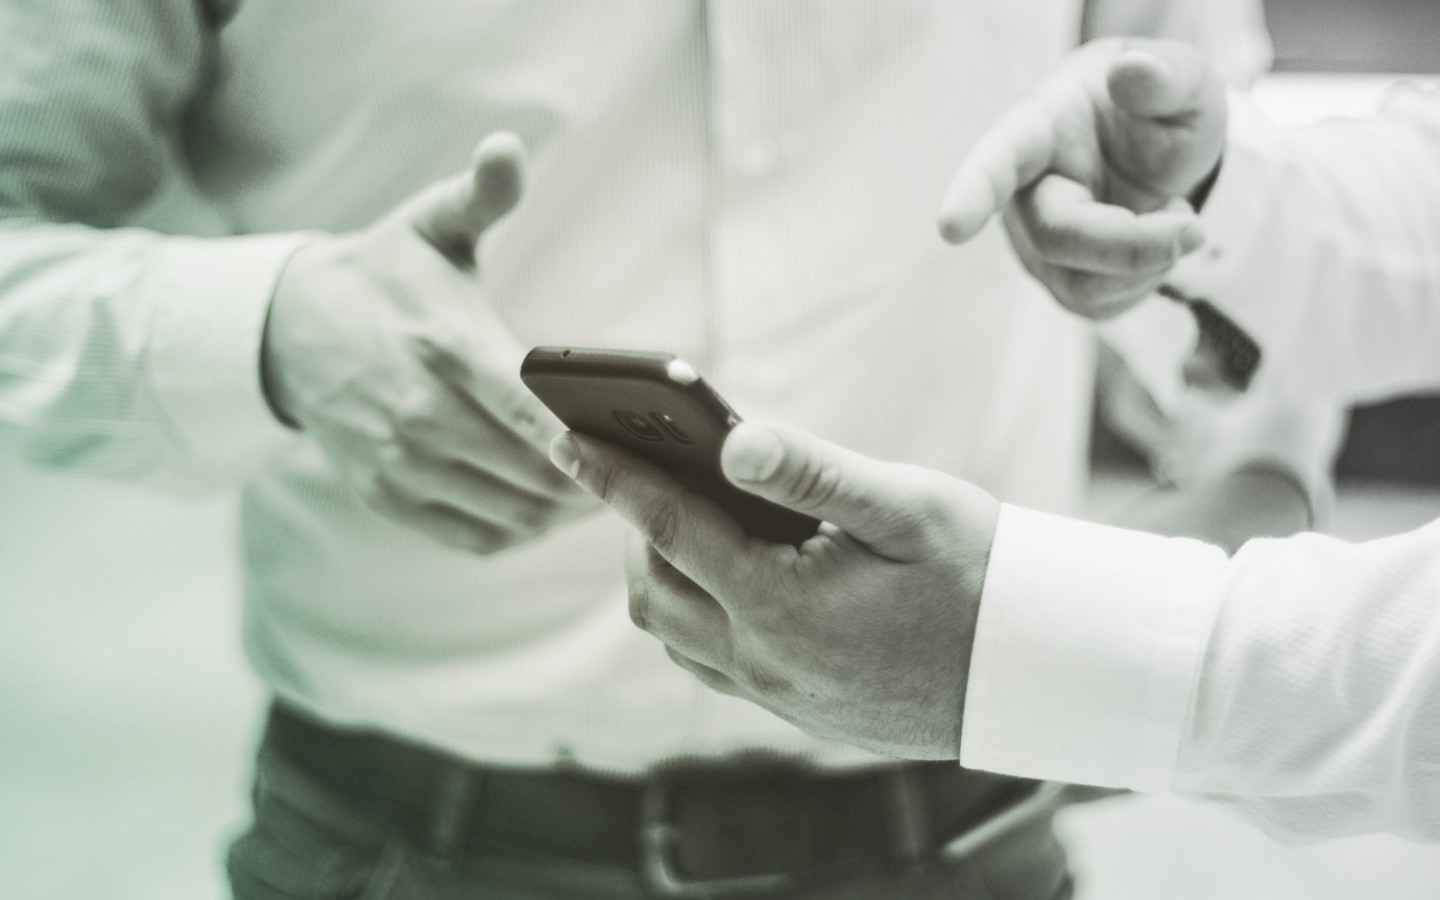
{"points": [[1299, 682], [749, 183]]}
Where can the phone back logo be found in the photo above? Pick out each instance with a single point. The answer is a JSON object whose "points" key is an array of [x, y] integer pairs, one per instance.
{"points": [[653, 427]]}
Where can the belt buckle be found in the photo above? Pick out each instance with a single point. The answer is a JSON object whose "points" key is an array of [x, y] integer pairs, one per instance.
{"points": [[658, 835]]}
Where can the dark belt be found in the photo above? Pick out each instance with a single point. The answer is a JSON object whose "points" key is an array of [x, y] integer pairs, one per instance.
{"points": [[749, 823]]}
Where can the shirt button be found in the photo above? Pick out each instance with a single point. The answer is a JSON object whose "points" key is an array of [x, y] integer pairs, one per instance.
{"points": [[755, 160]]}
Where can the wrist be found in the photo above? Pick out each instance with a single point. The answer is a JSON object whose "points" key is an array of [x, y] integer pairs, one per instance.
{"points": [[271, 385], [276, 342], [976, 547]]}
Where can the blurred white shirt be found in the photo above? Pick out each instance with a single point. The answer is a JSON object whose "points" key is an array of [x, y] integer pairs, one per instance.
{"points": [[750, 184]]}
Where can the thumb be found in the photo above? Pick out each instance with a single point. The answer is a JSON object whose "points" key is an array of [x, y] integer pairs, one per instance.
{"points": [[1160, 80], [872, 501], [1172, 110], [454, 213]]}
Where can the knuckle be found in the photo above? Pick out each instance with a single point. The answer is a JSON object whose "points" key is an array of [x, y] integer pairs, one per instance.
{"points": [[412, 415], [521, 411], [641, 599], [1139, 256], [661, 526], [1084, 293], [1014, 218], [426, 348], [1143, 255], [678, 658], [600, 480], [934, 509], [437, 345], [1061, 288], [395, 281], [1052, 239], [1120, 303], [814, 482], [410, 442], [533, 515], [1035, 262], [758, 679], [715, 681], [380, 491], [710, 678]]}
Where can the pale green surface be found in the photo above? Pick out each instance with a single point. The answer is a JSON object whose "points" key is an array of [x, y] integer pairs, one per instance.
{"points": [[125, 709]]}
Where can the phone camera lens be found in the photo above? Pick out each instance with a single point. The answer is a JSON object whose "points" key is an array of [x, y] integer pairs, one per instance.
{"points": [[639, 425], [668, 422]]}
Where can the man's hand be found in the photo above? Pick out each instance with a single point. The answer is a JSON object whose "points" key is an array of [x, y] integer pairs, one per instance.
{"points": [[1093, 172], [862, 634], [381, 345]]}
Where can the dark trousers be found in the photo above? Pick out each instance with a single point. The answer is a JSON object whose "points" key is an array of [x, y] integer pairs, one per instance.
{"points": [[361, 816]]}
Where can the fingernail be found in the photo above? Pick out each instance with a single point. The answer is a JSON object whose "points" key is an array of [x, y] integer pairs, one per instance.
{"points": [[565, 454], [753, 453]]}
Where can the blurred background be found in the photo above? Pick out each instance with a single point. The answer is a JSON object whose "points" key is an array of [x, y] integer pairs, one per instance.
{"points": [[127, 714]]}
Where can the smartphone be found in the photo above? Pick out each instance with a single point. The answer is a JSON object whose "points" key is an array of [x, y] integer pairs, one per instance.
{"points": [[656, 406]]}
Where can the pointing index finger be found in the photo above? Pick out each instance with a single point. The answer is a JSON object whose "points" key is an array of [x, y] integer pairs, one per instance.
{"points": [[1012, 154]]}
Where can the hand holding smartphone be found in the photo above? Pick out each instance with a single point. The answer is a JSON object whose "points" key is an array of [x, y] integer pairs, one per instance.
{"points": [[656, 406]]}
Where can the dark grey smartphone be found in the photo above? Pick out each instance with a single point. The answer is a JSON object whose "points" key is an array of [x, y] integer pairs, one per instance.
{"points": [[659, 408]]}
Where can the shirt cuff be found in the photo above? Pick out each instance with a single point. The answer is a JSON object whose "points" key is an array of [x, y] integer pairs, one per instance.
{"points": [[1087, 651], [212, 299]]}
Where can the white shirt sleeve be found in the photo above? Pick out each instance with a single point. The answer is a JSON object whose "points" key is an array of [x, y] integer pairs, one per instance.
{"points": [[1297, 683], [122, 352], [1317, 709]]}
